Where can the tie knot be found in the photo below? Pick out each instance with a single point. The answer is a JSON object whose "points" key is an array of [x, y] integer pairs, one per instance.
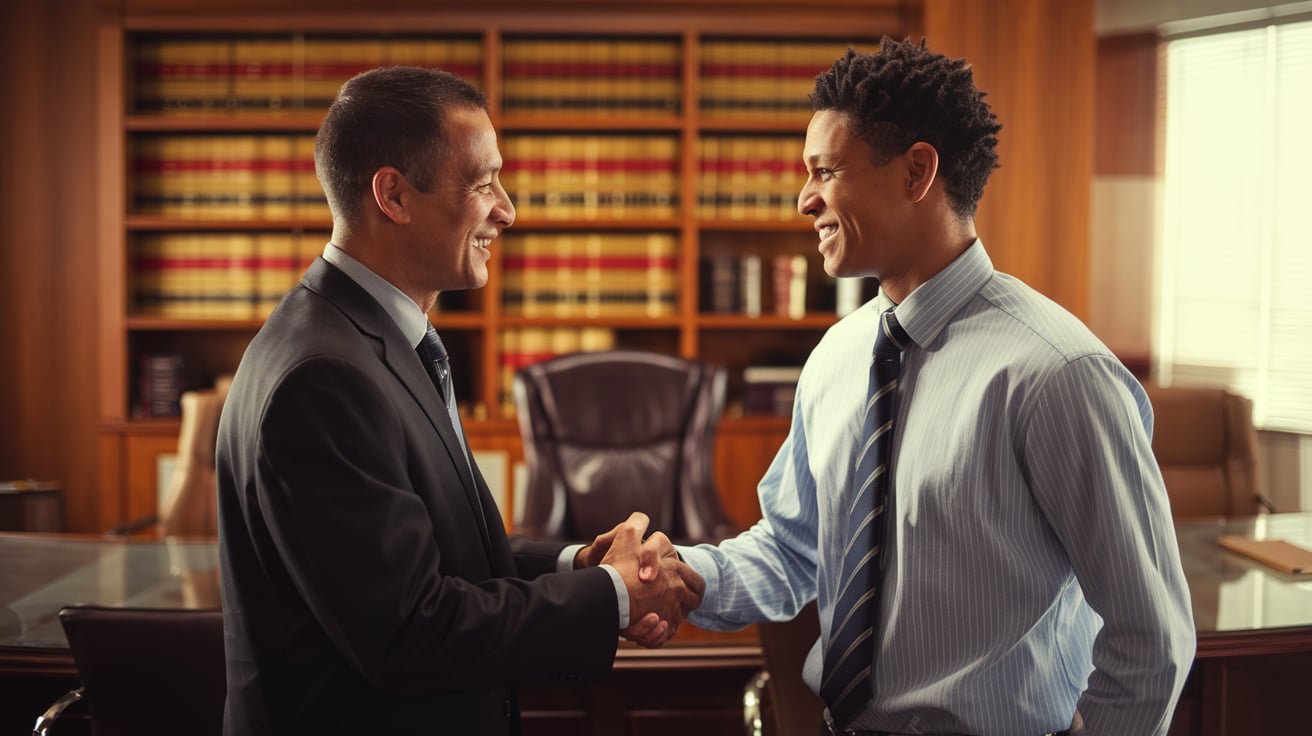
{"points": [[430, 347], [892, 339]]}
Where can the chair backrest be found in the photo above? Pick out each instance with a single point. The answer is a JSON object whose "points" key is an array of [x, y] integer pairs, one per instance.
{"points": [[191, 502], [149, 671], [1206, 445], [611, 432]]}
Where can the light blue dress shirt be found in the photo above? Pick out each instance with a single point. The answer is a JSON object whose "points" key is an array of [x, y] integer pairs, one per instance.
{"points": [[1031, 565], [413, 323]]}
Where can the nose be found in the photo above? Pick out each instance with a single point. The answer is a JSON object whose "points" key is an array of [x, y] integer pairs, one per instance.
{"points": [[808, 202], [504, 212]]}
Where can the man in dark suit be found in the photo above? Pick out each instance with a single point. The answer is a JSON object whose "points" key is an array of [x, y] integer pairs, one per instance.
{"points": [[368, 586]]}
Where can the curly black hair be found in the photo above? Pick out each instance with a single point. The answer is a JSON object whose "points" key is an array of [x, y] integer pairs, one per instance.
{"points": [[906, 93]]}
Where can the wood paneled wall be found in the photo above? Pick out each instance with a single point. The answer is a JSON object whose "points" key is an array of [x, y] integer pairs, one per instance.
{"points": [[48, 360], [1035, 59]]}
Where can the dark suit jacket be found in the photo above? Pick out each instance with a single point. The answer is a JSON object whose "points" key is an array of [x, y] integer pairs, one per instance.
{"points": [[368, 586]]}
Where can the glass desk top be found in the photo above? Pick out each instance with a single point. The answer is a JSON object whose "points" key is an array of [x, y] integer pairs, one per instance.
{"points": [[39, 574]]}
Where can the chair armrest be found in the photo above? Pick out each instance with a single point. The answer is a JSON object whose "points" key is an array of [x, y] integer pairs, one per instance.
{"points": [[47, 719]]}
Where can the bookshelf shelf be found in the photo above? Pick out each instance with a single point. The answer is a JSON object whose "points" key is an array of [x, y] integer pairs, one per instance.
{"points": [[625, 323], [764, 322], [145, 323], [795, 126], [538, 223], [515, 122], [302, 122], [172, 324], [798, 225], [161, 223]]}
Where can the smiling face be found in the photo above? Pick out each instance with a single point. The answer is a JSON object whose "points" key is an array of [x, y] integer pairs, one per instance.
{"points": [[862, 212], [464, 209]]}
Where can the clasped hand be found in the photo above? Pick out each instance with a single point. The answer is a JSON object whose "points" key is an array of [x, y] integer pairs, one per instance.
{"points": [[662, 589]]}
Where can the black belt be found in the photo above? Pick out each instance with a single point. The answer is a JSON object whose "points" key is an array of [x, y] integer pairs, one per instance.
{"points": [[829, 730]]}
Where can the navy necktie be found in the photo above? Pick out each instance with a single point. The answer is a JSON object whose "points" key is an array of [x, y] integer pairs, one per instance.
{"points": [[849, 654]]}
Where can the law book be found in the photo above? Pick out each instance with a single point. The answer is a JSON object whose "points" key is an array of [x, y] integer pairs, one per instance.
{"points": [[182, 77], [264, 75], [770, 389], [751, 285], [159, 385], [719, 283]]}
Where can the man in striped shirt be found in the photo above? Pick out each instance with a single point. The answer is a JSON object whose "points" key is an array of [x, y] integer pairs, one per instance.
{"points": [[1028, 578]]}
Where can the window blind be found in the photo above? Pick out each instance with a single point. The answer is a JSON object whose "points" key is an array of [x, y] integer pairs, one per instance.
{"points": [[1235, 266]]}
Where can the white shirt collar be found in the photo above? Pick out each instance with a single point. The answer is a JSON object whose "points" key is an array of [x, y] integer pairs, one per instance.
{"points": [[407, 315]]}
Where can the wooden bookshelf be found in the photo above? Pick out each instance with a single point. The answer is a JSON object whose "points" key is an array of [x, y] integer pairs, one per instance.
{"points": [[475, 323]]}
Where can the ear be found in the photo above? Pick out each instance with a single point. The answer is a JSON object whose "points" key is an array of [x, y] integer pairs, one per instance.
{"points": [[922, 170], [391, 190]]}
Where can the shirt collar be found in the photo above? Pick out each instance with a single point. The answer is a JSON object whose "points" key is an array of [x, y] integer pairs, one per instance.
{"points": [[407, 315], [927, 310]]}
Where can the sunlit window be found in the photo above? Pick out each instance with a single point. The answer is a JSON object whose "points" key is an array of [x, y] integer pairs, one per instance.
{"points": [[1234, 299]]}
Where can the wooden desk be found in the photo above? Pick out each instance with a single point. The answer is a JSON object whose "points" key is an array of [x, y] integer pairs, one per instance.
{"points": [[1254, 638], [691, 686], [1254, 660]]}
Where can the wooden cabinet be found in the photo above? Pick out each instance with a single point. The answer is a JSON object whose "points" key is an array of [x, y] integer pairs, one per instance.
{"points": [[648, 147]]}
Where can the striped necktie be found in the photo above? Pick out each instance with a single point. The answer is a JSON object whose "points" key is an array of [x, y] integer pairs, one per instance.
{"points": [[849, 654], [438, 365]]}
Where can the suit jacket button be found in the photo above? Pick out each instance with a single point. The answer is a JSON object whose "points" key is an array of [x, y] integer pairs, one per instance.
{"points": [[507, 707]]}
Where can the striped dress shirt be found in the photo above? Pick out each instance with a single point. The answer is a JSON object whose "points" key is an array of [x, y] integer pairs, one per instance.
{"points": [[1030, 563]]}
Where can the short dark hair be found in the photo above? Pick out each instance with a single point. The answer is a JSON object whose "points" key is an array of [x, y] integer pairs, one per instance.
{"points": [[386, 117], [906, 93]]}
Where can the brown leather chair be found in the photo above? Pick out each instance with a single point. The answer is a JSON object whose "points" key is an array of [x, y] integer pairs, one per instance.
{"points": [[1206, 445], [145, 671], [611, 432]]}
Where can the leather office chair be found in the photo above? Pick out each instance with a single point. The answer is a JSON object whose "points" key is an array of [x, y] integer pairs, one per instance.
{"points": [[1206, 446], [145, 672], [611, 432], [794, 710], [190, 506]]}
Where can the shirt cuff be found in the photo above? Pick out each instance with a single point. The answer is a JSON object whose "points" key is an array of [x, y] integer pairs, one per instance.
{"points": [[621, 595], [565, 563]]}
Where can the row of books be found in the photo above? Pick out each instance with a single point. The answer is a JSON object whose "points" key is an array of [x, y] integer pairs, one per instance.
{"points": [[590, 274], [596, 76], [522, 347], [263, 75], [227, 176], [751, 284], [592, 176], [218, 275], [243, 176], [271, 74], [765, 78], [749, 177]]}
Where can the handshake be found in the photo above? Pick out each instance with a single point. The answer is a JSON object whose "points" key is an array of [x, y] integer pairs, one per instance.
{"points": [[662, 589]]}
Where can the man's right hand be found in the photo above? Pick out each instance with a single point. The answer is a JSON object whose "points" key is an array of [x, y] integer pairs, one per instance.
{"points": [[662, 589]]}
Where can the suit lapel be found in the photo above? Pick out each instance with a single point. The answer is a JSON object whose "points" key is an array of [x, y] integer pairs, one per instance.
{"points": [[370, 317]]}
